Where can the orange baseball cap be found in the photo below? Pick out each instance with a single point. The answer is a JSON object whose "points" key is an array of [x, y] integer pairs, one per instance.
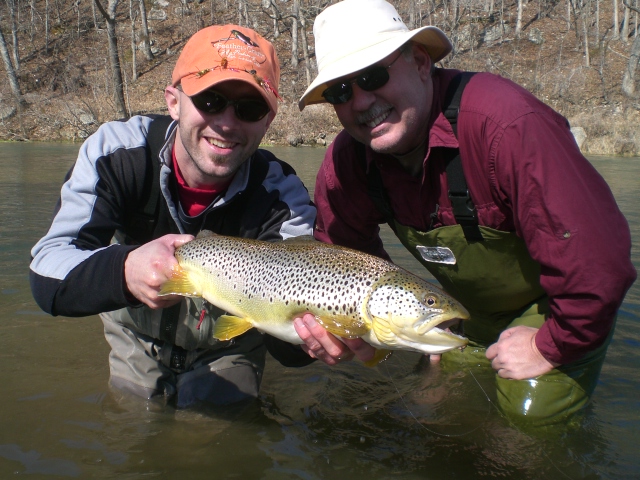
{"points": [[219, 53]]}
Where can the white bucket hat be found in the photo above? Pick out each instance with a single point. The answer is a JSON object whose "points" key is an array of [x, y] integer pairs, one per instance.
{"points": [[354, 34]]}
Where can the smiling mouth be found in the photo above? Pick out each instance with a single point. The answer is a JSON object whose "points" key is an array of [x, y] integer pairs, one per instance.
{"points": [[375, 116], [220, 143]]}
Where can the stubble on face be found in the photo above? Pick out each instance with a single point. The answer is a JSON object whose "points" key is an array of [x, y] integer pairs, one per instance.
{"points": [[210, 148]]}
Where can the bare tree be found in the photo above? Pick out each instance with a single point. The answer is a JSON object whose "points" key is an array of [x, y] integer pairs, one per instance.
{"points": [[519, 18], [146, 44], [305, 47], [11, 73], [46, 27], [629, 76], [11, 6], [295, 12], [243, 13], [616, 25], [32, 27], [134, 48], [580, 19], [269, 8], [114, 60], [624, 34], [95, 16]]}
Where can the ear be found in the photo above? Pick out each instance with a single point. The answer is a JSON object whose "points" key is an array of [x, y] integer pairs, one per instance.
{"points": [[270, 118], [422, 60], [172, 97]]}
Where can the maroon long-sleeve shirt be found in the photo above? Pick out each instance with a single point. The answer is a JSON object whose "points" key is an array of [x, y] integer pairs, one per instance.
{"points": [[526, 174]]}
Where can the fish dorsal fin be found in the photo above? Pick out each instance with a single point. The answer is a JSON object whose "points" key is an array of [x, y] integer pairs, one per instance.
{"points": [[206, 233], [302, 239]]}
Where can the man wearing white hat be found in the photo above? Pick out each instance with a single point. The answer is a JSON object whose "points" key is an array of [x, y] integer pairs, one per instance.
{"points": [[486, 187]]}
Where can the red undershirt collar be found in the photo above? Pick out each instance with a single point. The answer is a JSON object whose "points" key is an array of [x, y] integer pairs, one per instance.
{"points": [[195, 200]]}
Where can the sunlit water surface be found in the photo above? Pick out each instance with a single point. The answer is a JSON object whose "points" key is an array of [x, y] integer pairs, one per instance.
{"points": [[400, 420]]}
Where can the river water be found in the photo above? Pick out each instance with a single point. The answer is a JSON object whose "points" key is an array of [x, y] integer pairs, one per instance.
{"points": [[400, 420]]}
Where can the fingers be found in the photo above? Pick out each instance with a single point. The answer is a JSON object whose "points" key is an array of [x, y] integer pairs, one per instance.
{"points": [[148, 267], [492, 351], [180, 240], [320, 344], [362, 350], [516, 356]]}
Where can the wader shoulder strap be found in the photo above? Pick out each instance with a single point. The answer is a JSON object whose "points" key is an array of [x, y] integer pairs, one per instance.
{"points": [[156, 139], [141, 222], [464, 210], [375, 187]]}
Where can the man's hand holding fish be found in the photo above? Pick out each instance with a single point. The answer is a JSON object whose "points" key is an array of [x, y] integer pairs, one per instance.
{"points": [[320, 344], [148, 267]]}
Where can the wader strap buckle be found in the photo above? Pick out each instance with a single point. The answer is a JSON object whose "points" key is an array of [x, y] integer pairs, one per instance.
{"points": [[466, 215], [178, 358]]}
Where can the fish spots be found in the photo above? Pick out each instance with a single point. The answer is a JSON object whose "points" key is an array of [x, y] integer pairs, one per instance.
{"points": [[294, 276]]}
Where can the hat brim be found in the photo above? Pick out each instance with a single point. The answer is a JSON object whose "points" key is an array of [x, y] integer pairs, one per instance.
{"points": [[435, 41], [192, 85]]}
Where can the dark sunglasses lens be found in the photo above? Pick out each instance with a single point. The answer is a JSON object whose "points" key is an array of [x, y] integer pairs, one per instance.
{"points": [[368, 81], [209, 102], [246, 110], [373, 79], [338, 93], [251, 110]]}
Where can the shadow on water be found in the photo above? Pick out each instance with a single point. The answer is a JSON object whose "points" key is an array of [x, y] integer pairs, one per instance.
{"points": [[403, 419]]}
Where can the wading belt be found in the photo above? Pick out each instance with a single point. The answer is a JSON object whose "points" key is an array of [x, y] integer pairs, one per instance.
{"points": [[464, 210]]}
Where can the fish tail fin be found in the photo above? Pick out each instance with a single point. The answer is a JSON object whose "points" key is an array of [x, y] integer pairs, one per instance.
{"points": [[179, 284], [380, 356], [228, 327]]}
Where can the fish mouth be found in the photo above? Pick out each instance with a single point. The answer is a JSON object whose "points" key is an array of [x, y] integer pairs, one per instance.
{"points": [[434, 327], [439, 318], [445, 338], [437, 341]]}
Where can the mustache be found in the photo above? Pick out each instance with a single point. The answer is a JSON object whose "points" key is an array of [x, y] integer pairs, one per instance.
{"points": [[375, 111]]}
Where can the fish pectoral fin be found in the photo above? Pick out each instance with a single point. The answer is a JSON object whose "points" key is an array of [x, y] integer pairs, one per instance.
{"points": [[179, 284], [228, 327], [343, 326], [380, 356], [383, 330]]}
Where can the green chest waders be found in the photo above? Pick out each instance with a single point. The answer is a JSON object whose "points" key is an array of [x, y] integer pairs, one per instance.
{"points": [[498, 282]]}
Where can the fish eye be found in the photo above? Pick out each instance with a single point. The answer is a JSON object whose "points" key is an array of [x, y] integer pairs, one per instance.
{"points": [[430, 300]]}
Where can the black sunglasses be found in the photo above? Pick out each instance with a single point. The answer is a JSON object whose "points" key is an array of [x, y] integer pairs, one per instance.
{"points": [[371, 79], [246, 109]]}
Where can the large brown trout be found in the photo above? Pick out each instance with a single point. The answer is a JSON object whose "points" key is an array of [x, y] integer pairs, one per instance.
{"points": [[266, 285]]}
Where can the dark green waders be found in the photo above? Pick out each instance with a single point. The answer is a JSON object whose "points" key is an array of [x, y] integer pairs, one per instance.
{"points": [[498, 282]]}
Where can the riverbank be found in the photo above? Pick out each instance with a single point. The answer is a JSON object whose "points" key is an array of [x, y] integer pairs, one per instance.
{"points": [[68, 94], [602, 130]]}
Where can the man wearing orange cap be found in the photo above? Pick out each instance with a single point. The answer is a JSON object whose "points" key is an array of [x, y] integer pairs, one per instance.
{"points": [[154, 182], [486, 187]]}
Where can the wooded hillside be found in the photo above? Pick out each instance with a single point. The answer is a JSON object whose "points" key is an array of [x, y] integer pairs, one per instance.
{"points": [[73, 64]]}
